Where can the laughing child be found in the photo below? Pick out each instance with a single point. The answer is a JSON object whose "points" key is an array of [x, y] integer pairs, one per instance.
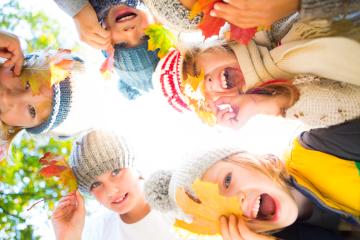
{"points": [[120, 23], [316, 185], [103, 166], [252, 79]]}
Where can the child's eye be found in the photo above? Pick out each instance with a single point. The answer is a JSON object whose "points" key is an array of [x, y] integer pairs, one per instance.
{"points": [[27, 85], [227, 180], [94, 185], [32, 111], [115, 172]]}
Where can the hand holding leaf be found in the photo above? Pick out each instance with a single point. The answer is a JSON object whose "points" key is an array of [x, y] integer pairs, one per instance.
{"points": [[206, 211], [210, 25], [68, 217]]}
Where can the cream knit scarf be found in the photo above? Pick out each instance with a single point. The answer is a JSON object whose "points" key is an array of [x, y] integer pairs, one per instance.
{"points": [[335, 58]]}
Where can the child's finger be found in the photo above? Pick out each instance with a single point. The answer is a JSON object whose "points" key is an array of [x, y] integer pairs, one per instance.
{"points": [[233, 228], [79, 200], [223, 100], [5, 54], [224, 228]]}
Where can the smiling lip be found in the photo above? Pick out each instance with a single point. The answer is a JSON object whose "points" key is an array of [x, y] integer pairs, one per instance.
{"points": [[124, 14], [119, 200]]}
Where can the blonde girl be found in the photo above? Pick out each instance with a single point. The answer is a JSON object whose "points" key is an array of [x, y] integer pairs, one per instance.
{"points": [[317, 184]]}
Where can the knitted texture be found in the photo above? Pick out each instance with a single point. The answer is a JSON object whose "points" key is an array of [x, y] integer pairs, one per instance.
{"points": [[311, 9], [324, 102], [62, 100], [98, 152], [102, 7], [135, 66], [160, 188], [168, 78], [173, 14]]}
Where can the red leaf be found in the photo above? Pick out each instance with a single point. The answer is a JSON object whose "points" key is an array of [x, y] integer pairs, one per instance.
{"points": [[210, 26], [108, 64], [242, 35], [52, 170]]}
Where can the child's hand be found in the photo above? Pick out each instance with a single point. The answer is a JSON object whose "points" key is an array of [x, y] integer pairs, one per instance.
{"points": [[69, 217], [90, 30], [239, 110], [11, 50], [254, 13], [236, 229]]}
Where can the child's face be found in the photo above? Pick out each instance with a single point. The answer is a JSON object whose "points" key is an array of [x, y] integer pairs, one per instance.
{"points": [[18, 106], [127, 25], [118, 190], [223, 76], [265, 203]]}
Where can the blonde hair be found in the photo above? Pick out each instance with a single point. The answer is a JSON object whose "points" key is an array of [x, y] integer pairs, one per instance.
{"points": [[268, 164], [191, 55]]}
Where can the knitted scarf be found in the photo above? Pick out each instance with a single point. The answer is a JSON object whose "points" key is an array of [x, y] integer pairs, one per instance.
{"points": [[334, 58]]}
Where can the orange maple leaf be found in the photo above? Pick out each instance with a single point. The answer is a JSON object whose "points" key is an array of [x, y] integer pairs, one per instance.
{"points": [[57, 166], [211, 26], [207, 209]]}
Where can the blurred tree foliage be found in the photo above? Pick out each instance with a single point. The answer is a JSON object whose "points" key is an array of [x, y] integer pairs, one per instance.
{"points": [[36, 28], [20, 184]]}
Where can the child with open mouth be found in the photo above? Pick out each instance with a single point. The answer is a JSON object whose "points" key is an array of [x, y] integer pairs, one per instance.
{"points": [[228, 83], [316, 184], [103, 165], [118, 25]]}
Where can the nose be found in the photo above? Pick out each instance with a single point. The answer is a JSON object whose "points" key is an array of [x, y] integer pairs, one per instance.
{"points": [[111, 189], [133, 37], [241, 197]]}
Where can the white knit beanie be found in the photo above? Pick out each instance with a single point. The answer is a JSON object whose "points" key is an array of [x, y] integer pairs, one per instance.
{"points": [[98, 152], [160, 188]]}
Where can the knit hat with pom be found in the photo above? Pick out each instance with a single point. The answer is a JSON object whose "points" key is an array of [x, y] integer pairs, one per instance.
{"points": [[160, 188], [98, 152]]}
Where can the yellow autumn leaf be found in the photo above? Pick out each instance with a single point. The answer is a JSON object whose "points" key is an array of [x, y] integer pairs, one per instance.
{"points": [[159, 38], [35, 77], [194, 81], [207, 210]]}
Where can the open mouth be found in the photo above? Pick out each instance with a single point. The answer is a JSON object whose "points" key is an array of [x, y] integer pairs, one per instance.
{"points": [[231, 78], [120, 199], [264, 208], [125, 16]]}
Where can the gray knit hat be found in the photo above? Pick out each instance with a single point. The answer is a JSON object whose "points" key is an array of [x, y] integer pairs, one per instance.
{"points": [[97, 152], [160, 188]]}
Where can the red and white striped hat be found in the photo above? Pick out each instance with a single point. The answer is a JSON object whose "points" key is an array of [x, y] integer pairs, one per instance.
{"points": [[168, 77]]}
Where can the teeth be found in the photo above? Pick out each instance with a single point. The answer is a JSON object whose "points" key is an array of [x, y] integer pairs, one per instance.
{"points": [[256, 207], [223, 80], [120, 199]]}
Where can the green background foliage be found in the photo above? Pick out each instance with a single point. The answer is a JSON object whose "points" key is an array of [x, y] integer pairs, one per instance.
{"points": [[20, 184], [39, 31]]}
